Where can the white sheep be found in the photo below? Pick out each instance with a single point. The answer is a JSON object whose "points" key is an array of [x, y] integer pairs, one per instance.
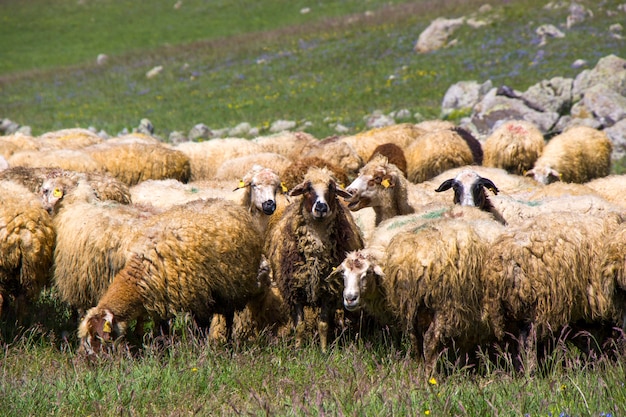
{"points": [[312, 237], [612, 188], [578, 154], [219, 275], [289, 144], [514, 146], [26, 246]]}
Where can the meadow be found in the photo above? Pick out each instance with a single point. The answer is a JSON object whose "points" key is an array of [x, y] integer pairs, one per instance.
{"points": [[228, 62]]}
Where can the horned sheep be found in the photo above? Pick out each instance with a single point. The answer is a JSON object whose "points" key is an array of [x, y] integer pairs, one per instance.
{"points": [[514, 146], [310, 239], [219, 275], [26, 247], [578, 154]]}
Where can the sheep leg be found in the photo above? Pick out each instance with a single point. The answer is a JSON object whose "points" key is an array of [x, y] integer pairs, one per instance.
{"points": [[230, 318], [297, 316], [322, 326], [432, 341]]}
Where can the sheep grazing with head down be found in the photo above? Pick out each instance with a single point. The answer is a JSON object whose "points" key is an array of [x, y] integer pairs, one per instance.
{"points": [[310, 239], [26, 246], [514, 146], [221, 247], [578, 154]]}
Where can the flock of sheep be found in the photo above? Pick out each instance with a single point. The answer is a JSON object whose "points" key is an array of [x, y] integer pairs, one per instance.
{"points": [[287, 233]]}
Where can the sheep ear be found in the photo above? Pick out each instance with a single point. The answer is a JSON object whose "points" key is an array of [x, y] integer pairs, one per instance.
{"points": [[556, 174], [242, 184], [446, 185], [389, 180], [343, 193], [530, 173], [298, 189], [488, 184]]}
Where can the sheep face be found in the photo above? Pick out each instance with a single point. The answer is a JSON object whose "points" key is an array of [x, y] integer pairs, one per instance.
{"points": [[360, 277], [98, 330], [368, 188], [319, 192], [263, 184], [52, 192], [544, 175], [469, 189]]}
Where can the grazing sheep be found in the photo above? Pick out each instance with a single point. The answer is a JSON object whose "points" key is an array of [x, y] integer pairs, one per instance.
{"points": [[541, 276], [26, 245], [68, 159], [394, 154], [294, 173], [17, 142], [578, 154], [92, 238], [427, 281], [514, 146], [105, 186], [402, 134], [310, 239], [221, 247], [206, 157], [612, 188], [132, 163], [380, 185], [75, 138], [436, 152], [236, 168], [289, 144], [336, 153]]}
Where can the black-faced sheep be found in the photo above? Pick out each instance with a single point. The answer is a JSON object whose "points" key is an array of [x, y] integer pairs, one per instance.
{"points": [[514, 147], [26, 247], [579, 154], [221, 248], [542, 275], [310, 239]]}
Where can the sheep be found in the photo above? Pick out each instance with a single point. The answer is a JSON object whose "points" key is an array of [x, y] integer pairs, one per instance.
{"points": [[206, 157], [436, 152], [426, 280], [294, 173], [157, 162], [26, 246], [336, 152], [364, 143], [612, 272], [105, 186], [612, 188], [4, 164], [511, 184], [289, 144], [92, 238], [559, 189], [17, 142], [68, 159], [394, 154], [75, 138], [380, 185], [578, 154], [219, 275], [541, 276], [236, 168], [514, 146], [310, 239]]}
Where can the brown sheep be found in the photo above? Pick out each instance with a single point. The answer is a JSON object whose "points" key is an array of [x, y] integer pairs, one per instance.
{"points": [[394, 155], [219, 275], [294, 173], [310, 239]]}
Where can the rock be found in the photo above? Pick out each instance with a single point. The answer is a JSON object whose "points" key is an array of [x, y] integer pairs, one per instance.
{"points": [[604, 104], [579, 63], [341, 129], [617, 134], [154, 71], [241, 130], [146, 127], [25, 130], [378, 119], [464, 95], [610, 70], [548, 31], [553, 95], [102, 59], [577, 14], [282, 125], [199, 131], [177, 137], [436, 35]]}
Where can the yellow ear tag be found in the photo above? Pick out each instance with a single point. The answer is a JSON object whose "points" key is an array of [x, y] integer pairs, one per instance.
{"points": [[283, 187], [385, 183], [242, 184], [107, 327], [57, 193]]}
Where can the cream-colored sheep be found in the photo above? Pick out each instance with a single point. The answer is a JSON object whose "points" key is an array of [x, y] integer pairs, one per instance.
{"points": [[514, 146], [578, 154], [15, 143], [219, 275], [613, 279], [364, 143], [68, 159], [612, 188], [26, 245], [436, 152], [206, 157], [336, 152], [132, 163], [74, 138], [289, 144], [236, 168]]}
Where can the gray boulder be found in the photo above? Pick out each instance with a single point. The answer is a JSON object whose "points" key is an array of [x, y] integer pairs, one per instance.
{"points": [[617, 134], [610, 70], [554, 95], [436, 35], [464, 95]]}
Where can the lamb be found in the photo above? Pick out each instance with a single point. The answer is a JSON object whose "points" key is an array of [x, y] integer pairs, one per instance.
{"points": [[310, 239], [436, 152], [157, 162], [206, 157], [92, 239], [514, 146], [578, 154], [426, 280], [541, 276], [105, 186], [26, 247], [219, 275]]}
